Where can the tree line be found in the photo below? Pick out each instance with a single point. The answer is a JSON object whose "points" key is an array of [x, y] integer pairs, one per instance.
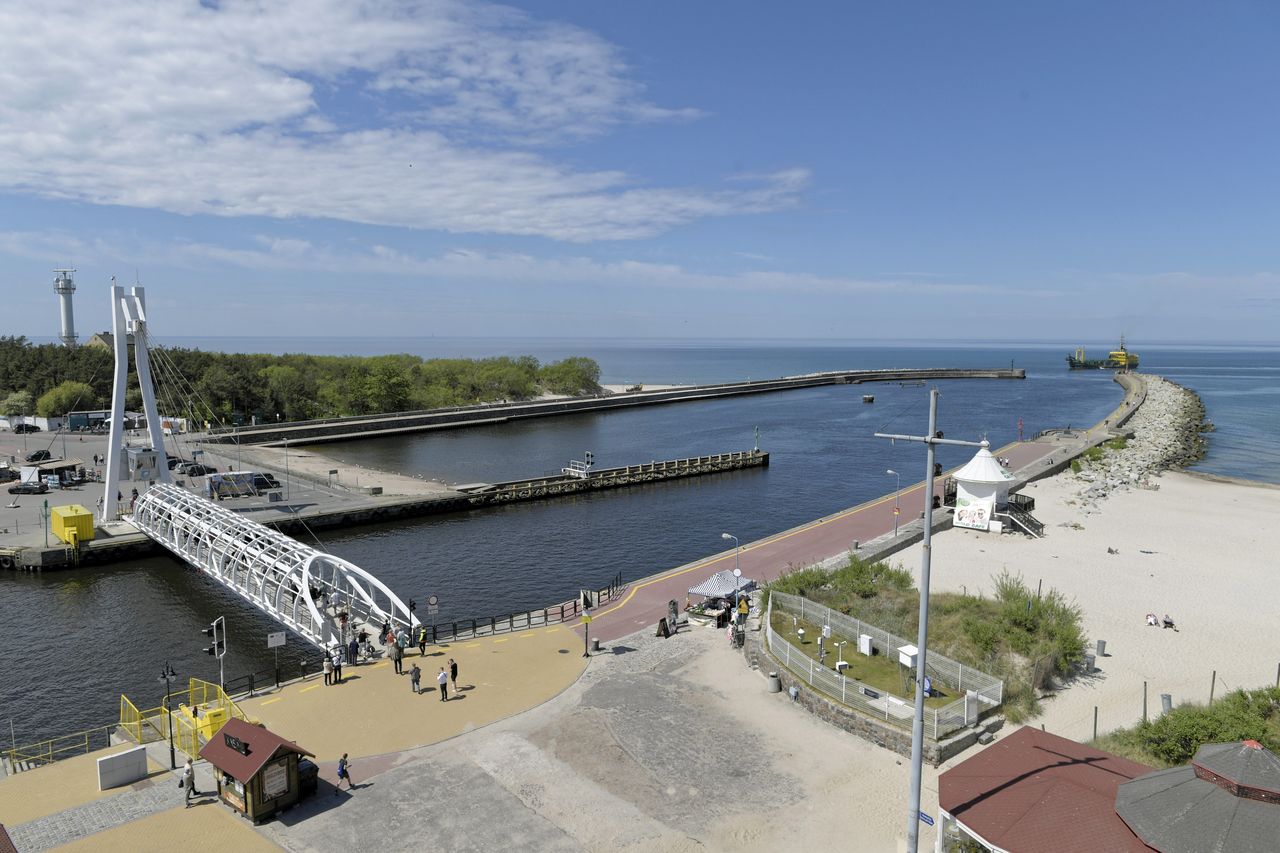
{"points": [[226, 388]]}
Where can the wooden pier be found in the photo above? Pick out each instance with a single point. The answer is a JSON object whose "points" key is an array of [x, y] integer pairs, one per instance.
{"points": [[486, 494]]}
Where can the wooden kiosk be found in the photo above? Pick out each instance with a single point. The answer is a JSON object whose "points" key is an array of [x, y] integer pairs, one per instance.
{"points": [[259, 773]]}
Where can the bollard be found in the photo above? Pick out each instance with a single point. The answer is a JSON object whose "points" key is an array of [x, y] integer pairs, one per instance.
{"points": [[595, 644], [775, 683], [1166, 702], [1089, 664], [1102, 648]]}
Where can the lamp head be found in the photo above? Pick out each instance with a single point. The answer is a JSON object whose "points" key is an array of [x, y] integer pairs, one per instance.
{"points": [[726, 535], [891, 471]]}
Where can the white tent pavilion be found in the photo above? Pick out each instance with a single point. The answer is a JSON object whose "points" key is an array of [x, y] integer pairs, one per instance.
{"points": [[982, 487], [721, 585]]}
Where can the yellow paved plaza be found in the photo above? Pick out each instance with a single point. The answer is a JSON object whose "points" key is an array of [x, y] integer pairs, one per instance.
{"points": [[208, 826], [58, 786]]}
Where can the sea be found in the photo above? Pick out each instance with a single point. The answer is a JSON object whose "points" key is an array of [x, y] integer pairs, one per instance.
{"points": [[96, 633]]}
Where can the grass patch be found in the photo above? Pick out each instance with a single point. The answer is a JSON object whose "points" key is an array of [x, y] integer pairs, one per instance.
{"points": [[1173, 739], [1024, 639], [880, 671]]}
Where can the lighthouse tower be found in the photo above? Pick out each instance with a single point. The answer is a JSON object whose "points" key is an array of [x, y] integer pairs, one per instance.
{"points": [[64, 287]]}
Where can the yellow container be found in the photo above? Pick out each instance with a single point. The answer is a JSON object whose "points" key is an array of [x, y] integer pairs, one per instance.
{"points": [[72, 523]]}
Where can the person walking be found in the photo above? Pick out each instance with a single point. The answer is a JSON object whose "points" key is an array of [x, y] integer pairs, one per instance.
{"points": [[422, 641], [744, 608], [415, 679], [443, 680], [337, 664], [344, 772], [189, 781], [353, 651], [328, 670], [453, 674], [397, 656]]}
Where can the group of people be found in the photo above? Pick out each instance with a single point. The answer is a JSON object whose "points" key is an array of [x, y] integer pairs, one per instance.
{"points": [[442, 678], [1167, 622]]}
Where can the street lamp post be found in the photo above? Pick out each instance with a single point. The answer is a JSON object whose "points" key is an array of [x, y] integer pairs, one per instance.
{"points": [[167, 675], [737, 567], [897, 502], [922, 637]]}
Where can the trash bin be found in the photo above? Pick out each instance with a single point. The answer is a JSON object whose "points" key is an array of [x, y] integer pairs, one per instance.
{"points": [[308, 777], [1102, 648], [775, 683], [1089, 662], [1166, 702]]}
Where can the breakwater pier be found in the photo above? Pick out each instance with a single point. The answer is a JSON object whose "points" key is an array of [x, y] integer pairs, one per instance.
{"points": [[370, 426]]}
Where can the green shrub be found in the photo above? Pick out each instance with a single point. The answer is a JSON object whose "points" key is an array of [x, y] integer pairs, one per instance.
{"points": [[1174, 737]]}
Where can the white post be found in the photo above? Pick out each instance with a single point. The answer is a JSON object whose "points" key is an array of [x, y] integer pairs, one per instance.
{"points": [[143, 363], [115, 436]]}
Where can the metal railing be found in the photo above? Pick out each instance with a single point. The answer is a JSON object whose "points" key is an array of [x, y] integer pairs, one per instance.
{"points": [[32, 755], [980, 692]]}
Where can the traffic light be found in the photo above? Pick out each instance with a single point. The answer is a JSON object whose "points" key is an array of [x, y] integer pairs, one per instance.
{"points": [[413, 605], [219, 645], [937, 469]]}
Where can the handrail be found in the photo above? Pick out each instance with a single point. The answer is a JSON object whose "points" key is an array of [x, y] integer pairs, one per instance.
{"points": [[40, 753]]}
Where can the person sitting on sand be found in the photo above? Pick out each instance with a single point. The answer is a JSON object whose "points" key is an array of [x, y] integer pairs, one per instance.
{"points": [[1152, 619], [1168, 623]]}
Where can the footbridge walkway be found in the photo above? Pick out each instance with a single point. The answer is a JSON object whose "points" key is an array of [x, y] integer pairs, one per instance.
{"points": [[323, 598]]}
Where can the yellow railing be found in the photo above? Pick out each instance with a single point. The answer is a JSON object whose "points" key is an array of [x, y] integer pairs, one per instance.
{"points": [[195, 714], [31, 755]]}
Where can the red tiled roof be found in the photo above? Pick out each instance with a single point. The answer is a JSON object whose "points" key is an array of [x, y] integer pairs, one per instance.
{"points": [[263, 745], [1035, 791]]}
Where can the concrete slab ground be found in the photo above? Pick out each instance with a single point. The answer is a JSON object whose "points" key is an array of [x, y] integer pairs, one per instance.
{"points": [[375, 711], [56, 787], [207, 826]]}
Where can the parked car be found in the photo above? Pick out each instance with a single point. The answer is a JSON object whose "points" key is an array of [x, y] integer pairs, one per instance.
{"points": [[33, 488], [7, 474], [196, 469], [176, 461], [21, 428], [262, 482], [39, 456]]}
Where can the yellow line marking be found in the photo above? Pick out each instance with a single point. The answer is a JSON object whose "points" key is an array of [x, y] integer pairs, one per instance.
{"points": [[277, 699], [502, 640], [312, 687], [470, 645]]}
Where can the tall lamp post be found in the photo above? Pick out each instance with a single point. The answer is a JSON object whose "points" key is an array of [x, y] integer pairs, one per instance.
{"points": [[167, 675], [737, 566], [922, 638], [897, 503]]}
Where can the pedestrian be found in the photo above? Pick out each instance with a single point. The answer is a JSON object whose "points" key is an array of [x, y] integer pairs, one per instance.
{"points": [[422, 640], [337, 664], [453, 673], [744, 608], [402, 640], [443, 680], [100, 503], [328, 670], [189, 781], [353, 651], [397, 658], [415, 678], [344, 772]]}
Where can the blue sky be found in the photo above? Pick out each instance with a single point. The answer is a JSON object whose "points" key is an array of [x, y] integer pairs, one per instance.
{"points": [[853, 171]]}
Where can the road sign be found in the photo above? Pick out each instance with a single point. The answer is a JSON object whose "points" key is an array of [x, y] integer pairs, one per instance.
{"points": [[586, 618], [925, 819], [275, 640], [433, 609]]}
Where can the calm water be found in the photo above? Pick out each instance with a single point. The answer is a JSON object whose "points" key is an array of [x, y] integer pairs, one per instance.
{"points": [[96, 633]]}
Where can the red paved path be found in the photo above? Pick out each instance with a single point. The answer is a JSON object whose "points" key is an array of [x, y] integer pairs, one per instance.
{"points": [[645, 602]]}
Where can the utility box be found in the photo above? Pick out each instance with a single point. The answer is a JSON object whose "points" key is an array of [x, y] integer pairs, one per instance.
{"points": [[865, 645], [142, 463], [71, 523], [907, 656]]}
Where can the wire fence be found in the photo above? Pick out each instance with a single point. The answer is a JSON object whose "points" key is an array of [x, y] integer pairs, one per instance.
{"points": [[979, 691]]}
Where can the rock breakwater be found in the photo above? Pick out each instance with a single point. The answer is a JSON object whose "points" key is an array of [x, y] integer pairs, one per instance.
{"points": [[1168, 432]]}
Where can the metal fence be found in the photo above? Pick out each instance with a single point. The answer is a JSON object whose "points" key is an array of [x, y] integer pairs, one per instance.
{"points": [[980, 692], [32, 755]]}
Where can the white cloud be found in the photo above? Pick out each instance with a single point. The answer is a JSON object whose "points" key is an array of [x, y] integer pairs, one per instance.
{"points": [[373, 111]]}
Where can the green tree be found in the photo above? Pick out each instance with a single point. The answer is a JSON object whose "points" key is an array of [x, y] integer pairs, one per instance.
{"points": [[66, 397], [574, 376], [18, 403]]}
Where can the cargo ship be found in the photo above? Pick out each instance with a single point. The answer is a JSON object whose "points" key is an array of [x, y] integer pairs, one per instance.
{"points": [[1117, 359]]}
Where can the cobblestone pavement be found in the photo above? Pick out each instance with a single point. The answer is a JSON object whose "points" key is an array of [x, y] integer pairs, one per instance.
{"points": [[645, 752], [144, 799]]}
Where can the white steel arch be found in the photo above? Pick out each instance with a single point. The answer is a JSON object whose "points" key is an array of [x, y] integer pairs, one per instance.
{"points": [[305, 589]]}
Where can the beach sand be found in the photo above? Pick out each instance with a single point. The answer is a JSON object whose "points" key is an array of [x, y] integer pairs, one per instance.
{"points": [[1199, 549]]}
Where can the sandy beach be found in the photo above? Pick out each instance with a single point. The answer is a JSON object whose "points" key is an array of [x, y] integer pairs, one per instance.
{"points": [[1199, 549]]}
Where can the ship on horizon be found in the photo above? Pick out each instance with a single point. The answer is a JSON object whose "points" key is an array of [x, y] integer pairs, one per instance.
{"points": [[1117, 359]]}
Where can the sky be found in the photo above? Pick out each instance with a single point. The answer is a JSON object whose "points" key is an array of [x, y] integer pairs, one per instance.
{"points": [[846, 171]]}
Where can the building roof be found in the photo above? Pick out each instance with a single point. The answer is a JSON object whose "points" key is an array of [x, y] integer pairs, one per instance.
{"points": [[1226, 799], [983, 468], [262, 745], [1033, 791]]}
